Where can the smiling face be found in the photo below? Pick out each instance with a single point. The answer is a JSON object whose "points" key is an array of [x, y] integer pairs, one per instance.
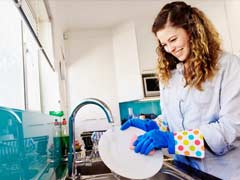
{"points": [[175, 41]]}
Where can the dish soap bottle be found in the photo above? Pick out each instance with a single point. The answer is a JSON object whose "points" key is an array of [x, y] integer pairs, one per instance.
{"points": [[64, 138], [57, 140]]}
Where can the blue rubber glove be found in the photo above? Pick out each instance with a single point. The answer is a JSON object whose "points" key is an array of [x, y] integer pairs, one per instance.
{"points": [[145, 125], [154, 139]]}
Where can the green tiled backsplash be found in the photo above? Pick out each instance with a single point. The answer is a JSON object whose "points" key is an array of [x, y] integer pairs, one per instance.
{"points": [[140, 107]]}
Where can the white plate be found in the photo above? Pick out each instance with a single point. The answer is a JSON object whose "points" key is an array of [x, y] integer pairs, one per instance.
{"points": [[114, 149]]}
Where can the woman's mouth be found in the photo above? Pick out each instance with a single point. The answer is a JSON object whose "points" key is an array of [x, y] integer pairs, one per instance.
{"points": [[178, 52]]}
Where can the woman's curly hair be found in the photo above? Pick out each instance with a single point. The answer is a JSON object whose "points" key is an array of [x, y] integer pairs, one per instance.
{"points": [[204, 43]]}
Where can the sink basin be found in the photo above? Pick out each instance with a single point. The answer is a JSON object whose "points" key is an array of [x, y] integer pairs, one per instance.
{"points": [[98, 170], [94, 168]]}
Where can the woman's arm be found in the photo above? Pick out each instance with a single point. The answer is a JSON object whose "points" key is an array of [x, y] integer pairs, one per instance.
{"points": [[221, 133]]}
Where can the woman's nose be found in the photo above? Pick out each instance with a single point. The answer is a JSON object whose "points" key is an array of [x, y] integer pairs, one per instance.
{"points": [[171, 48]]}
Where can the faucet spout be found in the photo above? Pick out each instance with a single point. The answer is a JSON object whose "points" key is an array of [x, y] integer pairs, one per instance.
{"points": [[71, 153]]}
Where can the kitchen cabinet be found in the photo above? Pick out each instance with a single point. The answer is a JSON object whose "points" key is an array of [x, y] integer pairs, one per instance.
{"points": [[134, 54], [126, 60], [146, 45]]}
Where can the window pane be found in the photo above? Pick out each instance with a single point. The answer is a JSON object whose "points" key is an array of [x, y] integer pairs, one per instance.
{"points": [[11, 64], [31, 71]]}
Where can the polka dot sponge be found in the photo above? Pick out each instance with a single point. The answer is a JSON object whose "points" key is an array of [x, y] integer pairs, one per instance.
{"points": [[189, 143]]}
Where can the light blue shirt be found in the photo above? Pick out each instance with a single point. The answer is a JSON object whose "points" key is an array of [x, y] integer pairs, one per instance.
{"points": [[215, 111]]}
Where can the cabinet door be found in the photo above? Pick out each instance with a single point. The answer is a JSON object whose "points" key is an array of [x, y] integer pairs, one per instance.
{"points": [[146, 44], [128, 76]]}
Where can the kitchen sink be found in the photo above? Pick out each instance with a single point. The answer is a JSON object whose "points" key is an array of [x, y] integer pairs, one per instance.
{"points": [[94, 168], [99, 171]]}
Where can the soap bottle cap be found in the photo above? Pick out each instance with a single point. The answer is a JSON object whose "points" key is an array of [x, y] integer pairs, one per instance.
{"points": [[64, 122], [56, 122]]}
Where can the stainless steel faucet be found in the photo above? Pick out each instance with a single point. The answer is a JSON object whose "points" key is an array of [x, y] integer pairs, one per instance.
{"points": [[72, 154]]}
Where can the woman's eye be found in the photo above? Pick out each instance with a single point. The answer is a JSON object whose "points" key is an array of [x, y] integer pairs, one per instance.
{"points": [[173, 39]]}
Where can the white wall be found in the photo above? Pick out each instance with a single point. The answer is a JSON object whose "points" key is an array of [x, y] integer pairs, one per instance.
{"points": [[215, 11], [233, 16], [59, 57], [90, 72]]}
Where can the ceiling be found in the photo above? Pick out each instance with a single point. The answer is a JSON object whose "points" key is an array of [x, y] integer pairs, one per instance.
{"points": [[71, 15]]}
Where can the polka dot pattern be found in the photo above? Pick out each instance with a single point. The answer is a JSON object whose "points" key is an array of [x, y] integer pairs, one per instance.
{"points": [[192, 148], [198, 153], [180, 147], [186, 142], [179, 137], [190, 137], [189, 143]]}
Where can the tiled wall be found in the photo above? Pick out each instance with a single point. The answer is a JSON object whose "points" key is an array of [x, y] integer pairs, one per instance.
{"points": [[139, 107]]}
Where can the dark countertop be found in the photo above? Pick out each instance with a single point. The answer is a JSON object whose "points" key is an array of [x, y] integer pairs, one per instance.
{"points": [[194, 173]]}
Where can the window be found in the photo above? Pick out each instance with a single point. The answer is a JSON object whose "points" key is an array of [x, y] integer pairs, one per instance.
{"points": [[11, 64], [19, 65], [27, 80], [31, 71]]}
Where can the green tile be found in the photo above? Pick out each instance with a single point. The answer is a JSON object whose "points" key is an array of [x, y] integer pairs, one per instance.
{"points": [[145, 107]]}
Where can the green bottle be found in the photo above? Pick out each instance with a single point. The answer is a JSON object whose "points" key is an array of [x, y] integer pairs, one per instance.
{"points": [[57, 140], [64, 138]]}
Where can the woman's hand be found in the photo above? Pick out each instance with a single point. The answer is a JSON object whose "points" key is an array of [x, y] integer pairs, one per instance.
{"points": [[154, 139]]}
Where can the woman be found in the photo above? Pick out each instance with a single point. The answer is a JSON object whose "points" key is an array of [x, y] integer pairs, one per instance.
{"points": [[200, 94]]}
